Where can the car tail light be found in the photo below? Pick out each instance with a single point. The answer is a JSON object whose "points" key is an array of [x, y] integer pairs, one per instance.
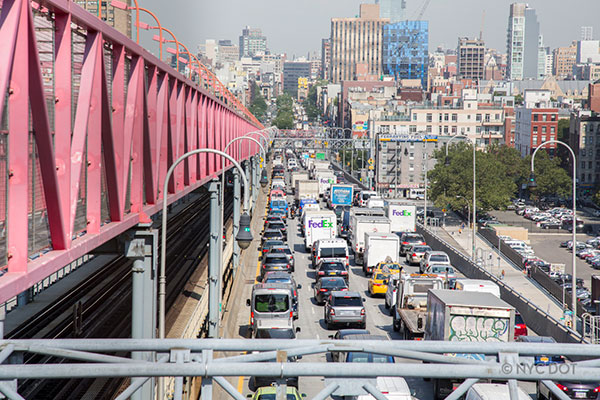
{"points": [[291, 314], [321, 273], [414, 255], [344, 272], [344, 289], [597, 389], [251, 317], [295, 293], [404, 242], [332, 312], [562, 387], [362, 312], [322, 290]]}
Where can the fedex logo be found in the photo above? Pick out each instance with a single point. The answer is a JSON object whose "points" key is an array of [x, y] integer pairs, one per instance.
{"points": [[320, 224], [403, 213]]}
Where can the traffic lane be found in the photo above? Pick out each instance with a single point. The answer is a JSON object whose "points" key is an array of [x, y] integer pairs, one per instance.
{"points": [[548, 248], [312, 323]]}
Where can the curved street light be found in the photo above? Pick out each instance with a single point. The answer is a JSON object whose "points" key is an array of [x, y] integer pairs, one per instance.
{"points": [[533, 185], [474, 208]]}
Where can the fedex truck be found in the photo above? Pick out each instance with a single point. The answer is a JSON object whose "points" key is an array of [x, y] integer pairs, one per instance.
{"points": [[325, 179], [318, 225], [402, 217]]}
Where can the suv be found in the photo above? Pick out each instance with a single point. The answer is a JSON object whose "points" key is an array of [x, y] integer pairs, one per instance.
{"points": [[275, 262], [272, 234], [331, 268], [326, 285], [286, 279], [408, 239], [415, 253], [283, 249], [271, 225], [345, 308], [433, 257]]}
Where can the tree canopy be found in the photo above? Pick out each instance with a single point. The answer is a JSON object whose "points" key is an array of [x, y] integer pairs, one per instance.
{"points": [[258, 105], [285, 112]]}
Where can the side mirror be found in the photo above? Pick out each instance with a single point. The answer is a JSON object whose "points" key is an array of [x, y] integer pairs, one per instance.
{"points": [[299, 286], [303, 395], [364, 299], [330, 336], [259, 278], [298, 329], [248, 303], [249, 395]]}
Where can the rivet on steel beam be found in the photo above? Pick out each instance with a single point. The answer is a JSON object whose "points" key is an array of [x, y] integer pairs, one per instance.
{"points": [[56, 100], [9, 255], [11, 90], [10, 173], [89, 163]]}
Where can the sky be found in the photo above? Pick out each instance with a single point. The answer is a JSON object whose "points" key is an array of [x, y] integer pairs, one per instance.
{"points": [[297, 27]]}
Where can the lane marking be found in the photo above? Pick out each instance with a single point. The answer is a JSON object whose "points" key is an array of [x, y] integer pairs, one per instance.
{"points": [[312, 310]]}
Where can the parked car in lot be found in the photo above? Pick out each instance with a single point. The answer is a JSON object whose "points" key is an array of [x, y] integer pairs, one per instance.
{"points": [[345, 308], [326, 285]]}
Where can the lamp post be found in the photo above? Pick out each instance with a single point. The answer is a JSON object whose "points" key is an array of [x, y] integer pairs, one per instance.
{"points": [[124, 6], [474, 208], [533, 185]]}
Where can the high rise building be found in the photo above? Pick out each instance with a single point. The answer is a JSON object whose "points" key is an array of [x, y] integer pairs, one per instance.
{"points": [[588, 51], [357, 41], [252, 42], [524, 44], [392, 9], [115, 17], [587, 33], [406, 50], [227, 52], [325, 58], [292, 72], [564, 58], [470, 56]]}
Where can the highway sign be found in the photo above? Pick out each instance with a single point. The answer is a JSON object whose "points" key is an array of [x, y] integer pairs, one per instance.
{"points": [[371, 161]]}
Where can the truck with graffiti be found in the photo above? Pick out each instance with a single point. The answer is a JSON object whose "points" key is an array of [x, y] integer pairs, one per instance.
{"points": [[409, 311], [455, 315]]}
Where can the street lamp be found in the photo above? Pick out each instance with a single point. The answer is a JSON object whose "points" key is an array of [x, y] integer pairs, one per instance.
{"points": [[532, 185], [474, 208]]}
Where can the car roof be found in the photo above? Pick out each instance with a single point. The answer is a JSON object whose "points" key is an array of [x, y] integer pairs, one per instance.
{"points": [[536, 339], [331, 278], [437, 253], [272, 231], [365, 336], [275, 255], [345, 294], [276, 274], [281, 246], [346, 332]]}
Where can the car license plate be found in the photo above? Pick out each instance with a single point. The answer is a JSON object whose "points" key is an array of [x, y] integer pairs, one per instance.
{"points": [[581, 395], [346, 313], [544, 359]]}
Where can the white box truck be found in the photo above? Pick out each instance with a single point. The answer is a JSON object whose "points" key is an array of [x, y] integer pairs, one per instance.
{"points": [[297, 176], [380, 247], [308, 189], [402, 216], [358, 226], [325, 179], [319, 225], [461, 316]]}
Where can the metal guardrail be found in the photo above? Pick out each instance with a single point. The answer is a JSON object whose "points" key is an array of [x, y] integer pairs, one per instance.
{"points": [[349, 177], [534, 316]]}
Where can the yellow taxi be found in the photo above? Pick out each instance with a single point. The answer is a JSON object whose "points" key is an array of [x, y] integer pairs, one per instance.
{"points": [[378, 283], [388, 267]]}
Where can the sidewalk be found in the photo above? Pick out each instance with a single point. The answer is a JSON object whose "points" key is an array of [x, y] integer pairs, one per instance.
{"points": [[513, 277]]}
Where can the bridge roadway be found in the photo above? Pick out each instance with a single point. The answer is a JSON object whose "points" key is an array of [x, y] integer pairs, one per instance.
{"points": [[379, 321]]}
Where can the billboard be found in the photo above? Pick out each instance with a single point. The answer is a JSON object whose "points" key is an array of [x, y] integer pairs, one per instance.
{"points": [[341, 195]]}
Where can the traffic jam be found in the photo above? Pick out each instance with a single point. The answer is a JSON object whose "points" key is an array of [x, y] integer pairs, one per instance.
{"points": [[336, 261]]}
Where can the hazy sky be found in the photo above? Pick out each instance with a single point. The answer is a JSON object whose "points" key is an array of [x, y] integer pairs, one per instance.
{"points": [[296, 27]]}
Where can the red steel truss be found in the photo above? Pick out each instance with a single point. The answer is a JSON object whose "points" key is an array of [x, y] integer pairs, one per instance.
{"points": [[99, 119]]}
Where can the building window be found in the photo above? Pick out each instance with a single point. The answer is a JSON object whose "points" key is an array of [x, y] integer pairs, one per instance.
{"points": [[553, 117], [543, 129], [535, 129], [445, 117], [535, 117], [478, 118], [414, 117], [440, 117], [413, 129], [543, 139], [454, 117], [552, 129], [590, 165], [544, 117], [428, 128], [534, 140], [469, 116], [429, 117], [445, 129]]}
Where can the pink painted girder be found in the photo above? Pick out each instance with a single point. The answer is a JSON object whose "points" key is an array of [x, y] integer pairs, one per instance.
{"points": [[133, 132]]}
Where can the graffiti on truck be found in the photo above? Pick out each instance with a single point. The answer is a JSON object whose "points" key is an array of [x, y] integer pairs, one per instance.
{"points": [[469, 328]]}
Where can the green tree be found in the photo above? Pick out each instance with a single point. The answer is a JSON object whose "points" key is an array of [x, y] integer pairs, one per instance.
{"points": [[563, 130], [452, 185], [550, 178], [519, 99], [285, 112], [258, 105], [311, 102]]}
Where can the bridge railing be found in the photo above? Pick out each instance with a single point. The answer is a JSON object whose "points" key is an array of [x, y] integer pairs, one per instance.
{"points": [[90, 122]]}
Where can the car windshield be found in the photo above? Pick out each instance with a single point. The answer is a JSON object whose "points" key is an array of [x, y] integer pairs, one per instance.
{"points": [[380, 277], [276, 225], [283, 250], [441, 269], [271, 302], [277, 260], [359, 357], [278, 203], [332, 267], [272, 234], [277, 280], [333, 283], [519, 320], [275, 334], [271, 396], [438, 257], [346, 301], [421, 249], [339, 252], [270, 243], [413, 238]]}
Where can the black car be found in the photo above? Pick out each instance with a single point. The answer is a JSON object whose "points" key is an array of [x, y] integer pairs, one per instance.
{"points": [[272, 234], [275, 262], [345, 224], [273, 333], [575, 390], [326, 285], [277, 225], [331, 268]]}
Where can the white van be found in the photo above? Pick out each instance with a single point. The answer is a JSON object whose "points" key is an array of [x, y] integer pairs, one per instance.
{"points": [[493, 391], [477, 285], [393, 388], [330, 249], [375, 202]]}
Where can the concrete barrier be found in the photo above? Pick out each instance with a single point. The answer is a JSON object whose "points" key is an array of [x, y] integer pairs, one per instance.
{"points": [[536, 318]]}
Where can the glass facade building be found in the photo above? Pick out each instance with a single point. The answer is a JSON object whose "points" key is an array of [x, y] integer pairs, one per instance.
{"points": [[406, 50]]}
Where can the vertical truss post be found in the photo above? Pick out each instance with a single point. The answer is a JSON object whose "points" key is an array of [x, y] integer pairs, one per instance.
{"points": [[141, 245], [214, 269], [207, 387], [237, 196]]}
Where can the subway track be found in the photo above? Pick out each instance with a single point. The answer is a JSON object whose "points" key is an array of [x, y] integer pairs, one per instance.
{"points": [[100, 306]]}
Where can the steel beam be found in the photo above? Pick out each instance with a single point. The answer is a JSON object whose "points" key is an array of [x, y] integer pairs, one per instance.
{"points": [[214, 269], [237, 193]]}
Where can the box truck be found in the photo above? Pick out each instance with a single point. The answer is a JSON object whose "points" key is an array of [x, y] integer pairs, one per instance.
{"points": [[318, 225], [402, 217], [358, 226], [380, 247]]}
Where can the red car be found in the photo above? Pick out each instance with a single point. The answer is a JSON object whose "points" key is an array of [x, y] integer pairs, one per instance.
{"points": [[520, 326]]}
